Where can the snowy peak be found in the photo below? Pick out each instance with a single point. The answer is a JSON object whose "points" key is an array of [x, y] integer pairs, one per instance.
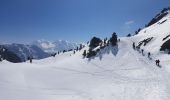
{"points": [[58, 45], [64, 45]]}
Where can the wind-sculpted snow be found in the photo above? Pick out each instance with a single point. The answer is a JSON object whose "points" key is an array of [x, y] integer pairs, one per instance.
{"points": [[125, 76]]}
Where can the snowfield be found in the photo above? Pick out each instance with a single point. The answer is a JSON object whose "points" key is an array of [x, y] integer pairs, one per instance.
{"points": [[117, 73]]}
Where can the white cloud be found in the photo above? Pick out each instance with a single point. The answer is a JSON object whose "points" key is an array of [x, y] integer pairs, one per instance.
{"points": [[127, 27], [129, 22]]}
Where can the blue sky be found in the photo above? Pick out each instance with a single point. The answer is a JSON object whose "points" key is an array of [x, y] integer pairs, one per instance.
{"points": [[23, 21]]}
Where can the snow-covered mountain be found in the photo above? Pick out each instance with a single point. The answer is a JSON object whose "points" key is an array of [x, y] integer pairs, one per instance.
{"points": [[115, 73], [153, 38], [58, 45], [38, 49], [24, 51]]}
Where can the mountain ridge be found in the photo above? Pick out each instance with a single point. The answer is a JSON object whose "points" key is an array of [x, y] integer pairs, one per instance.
{"points": [[58, 45]]}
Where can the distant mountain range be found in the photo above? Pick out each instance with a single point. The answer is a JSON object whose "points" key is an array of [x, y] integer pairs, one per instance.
{"points": [[23, 52], [38, 50], [56, 46]]}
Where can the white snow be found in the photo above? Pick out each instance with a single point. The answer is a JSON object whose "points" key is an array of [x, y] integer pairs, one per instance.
{"points": [[124, 76], [116, 73]]}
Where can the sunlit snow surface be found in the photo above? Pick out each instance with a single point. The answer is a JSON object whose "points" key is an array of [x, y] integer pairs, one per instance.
{"points": [[124, 76], [115, 74]]}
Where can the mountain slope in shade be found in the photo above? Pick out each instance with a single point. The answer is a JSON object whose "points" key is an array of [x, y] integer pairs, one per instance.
{"points": [[58, 45], [25, 51]]}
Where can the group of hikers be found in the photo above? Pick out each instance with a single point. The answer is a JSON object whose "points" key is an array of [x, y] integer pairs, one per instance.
{"points": [[149, 54]]}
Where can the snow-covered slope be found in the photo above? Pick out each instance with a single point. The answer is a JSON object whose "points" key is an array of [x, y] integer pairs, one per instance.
{"points": [[160, 32], [122, 75], [116, 73], [58, 45], [157, 31]]}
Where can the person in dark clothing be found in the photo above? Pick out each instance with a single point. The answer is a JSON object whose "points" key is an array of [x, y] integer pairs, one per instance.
{"points": [[30, 59], [133, 45], [142, 52], [157, 62], [149, 54], [84, 54]]}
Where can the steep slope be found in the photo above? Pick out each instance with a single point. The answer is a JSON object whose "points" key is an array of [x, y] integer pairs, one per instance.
{"points": [[126, 75], [56, 46], [158, 31], [160, 34]]}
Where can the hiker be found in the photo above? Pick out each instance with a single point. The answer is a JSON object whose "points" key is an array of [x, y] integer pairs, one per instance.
{"points": [[105, 41], [149, 54], [30, 59], [142, 51], [157, 62], [133, 45], [84, 54]]}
